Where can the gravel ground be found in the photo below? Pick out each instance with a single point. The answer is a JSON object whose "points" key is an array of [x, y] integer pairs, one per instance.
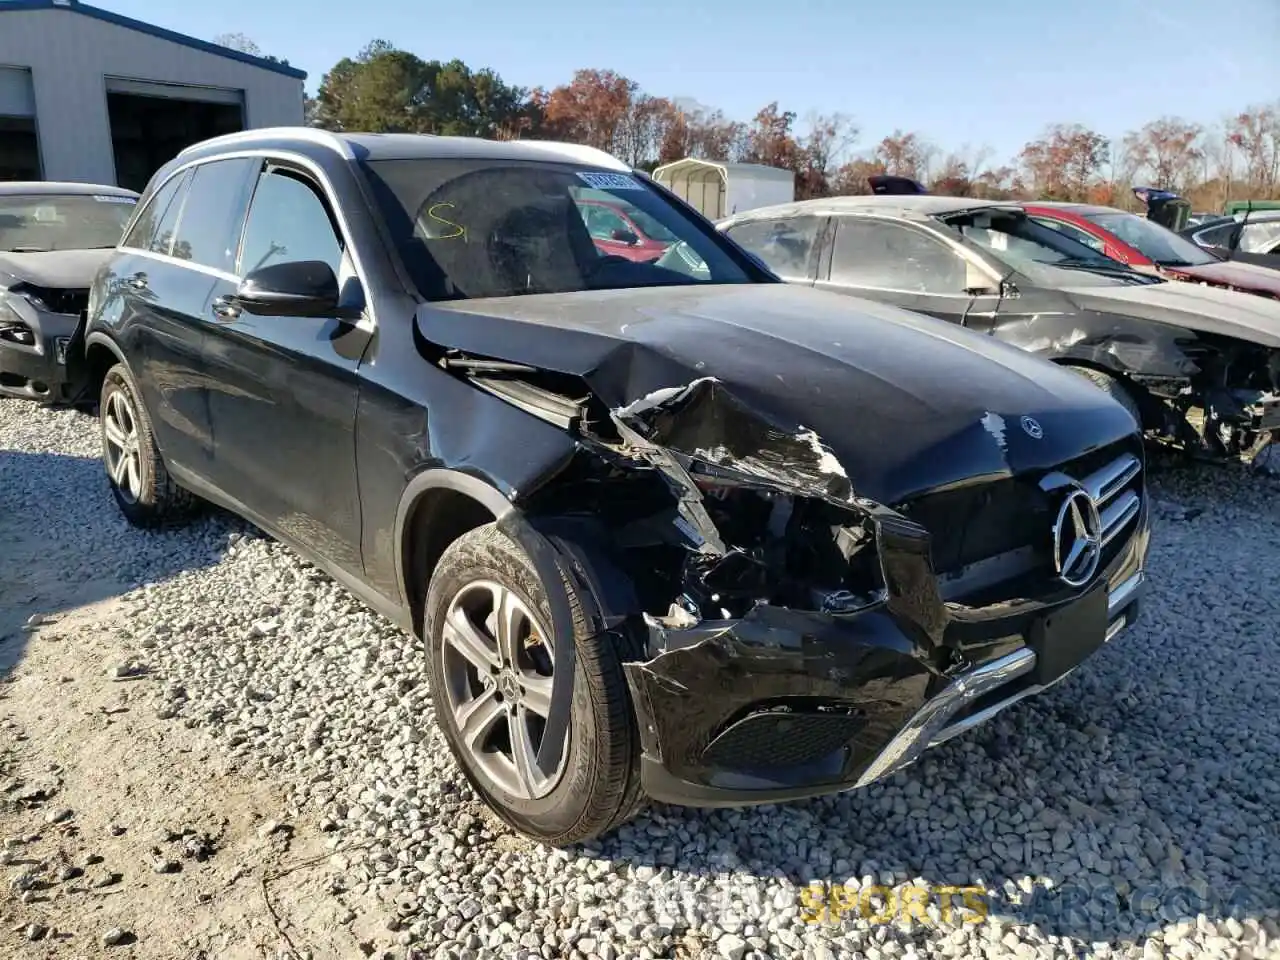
{"points": [[1134, 810]]}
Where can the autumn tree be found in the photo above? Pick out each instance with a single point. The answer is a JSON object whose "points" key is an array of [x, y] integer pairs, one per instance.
{"points": [[1064, 161], [1255, 133], [850, 179], [769, 139], [905, 155], [820, 150], [707, 135], [1168, 149]]}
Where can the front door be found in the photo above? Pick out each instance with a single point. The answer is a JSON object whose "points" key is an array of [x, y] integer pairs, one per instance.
{"points": [[905, 266], [284, 389]]}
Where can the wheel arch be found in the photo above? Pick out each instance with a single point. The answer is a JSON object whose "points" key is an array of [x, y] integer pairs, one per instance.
{"points": [[437, 507], [1141, 396], [101, 354]]}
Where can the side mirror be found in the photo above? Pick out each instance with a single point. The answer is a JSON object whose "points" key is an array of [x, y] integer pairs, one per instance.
{"points": [[301, 288], [625, 236]]}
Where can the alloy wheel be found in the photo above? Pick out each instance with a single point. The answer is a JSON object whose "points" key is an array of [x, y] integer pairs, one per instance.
{"points": [[121, 449], [499, 663]]}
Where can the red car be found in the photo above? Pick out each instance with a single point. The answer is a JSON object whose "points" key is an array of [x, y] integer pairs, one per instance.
{"points": [[622, 232], [1148, 246]]}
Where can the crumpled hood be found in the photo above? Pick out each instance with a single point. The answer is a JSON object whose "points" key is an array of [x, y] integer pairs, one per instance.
{"points": [[1233, 273], [54, 269], [904, 402], [1228, 313]]}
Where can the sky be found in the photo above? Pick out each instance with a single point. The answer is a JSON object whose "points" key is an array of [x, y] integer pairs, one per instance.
{"points": [[965, 74]]}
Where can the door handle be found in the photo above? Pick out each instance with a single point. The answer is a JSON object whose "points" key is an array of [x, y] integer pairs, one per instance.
{"points": [[225, 309], [138, 281]]}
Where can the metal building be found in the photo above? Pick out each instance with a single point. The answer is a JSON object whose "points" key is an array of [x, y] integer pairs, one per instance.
{"points": [[88, 95]]}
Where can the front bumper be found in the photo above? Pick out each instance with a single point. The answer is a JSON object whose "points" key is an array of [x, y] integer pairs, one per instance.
{"points": [[33, 361], [784, 704]]}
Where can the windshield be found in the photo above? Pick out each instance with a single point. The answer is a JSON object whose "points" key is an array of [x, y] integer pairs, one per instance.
{"points": [[497, 228], [1043, 255], [1159, 244], [30, 224]]}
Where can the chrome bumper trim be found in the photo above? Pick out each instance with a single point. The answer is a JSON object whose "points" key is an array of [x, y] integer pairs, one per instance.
{"points": [[931, 725]]}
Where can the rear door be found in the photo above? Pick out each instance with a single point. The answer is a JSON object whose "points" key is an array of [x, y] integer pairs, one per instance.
{"points": [[905, 265], [284, 389], [789, 246], [152, 302]]}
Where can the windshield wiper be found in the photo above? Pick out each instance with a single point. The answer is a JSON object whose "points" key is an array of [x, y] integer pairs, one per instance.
{"points": [[1118, 270], [28, 249]]}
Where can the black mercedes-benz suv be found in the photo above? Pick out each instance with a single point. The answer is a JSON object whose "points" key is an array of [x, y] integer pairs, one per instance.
{"points": [[673, 529]]}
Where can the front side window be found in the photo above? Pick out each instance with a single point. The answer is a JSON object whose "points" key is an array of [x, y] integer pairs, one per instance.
{"points": [[890, 256], [1158, 244], [1044, 256], [41, 222], [785, 245], [469, 228], [288, 222], [209, 225]]}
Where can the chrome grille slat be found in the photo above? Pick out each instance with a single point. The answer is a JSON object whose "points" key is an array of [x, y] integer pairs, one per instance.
{"points": [[1116, 516], [1105, 483]]}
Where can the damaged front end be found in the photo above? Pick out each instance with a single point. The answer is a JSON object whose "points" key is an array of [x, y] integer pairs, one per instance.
{"points": [[1228, 404], [788, 637]]}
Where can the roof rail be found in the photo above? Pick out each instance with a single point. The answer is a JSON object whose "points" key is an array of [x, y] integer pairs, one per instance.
{"points": [[324, 138], [578, 152]]}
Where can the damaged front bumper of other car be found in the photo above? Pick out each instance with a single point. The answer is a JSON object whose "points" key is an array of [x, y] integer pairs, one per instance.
{"points": [[40, 331], [812, 645]]}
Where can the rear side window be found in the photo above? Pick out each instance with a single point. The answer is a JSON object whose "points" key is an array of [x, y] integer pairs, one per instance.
{"points": [[288, 221], [888, 256], [784, 245], [213, 213], [153, 229]]}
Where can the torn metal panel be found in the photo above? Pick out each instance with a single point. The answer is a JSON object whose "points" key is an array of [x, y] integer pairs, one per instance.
{"points": [[707, 423]]}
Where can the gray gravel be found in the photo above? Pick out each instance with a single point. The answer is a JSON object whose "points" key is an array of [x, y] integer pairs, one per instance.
{"points": [[1132, 811]]}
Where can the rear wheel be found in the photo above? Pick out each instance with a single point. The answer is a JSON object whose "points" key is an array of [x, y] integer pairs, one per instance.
{"points": [[492, 657], [1113, 387], [142, 487]]}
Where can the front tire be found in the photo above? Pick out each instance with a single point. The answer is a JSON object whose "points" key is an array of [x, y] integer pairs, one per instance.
{"points": [[1113, 387], [143, 490], [491, 659]]}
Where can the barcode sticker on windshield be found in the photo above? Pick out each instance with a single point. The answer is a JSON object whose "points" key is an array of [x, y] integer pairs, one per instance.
{"points": [[105, 199], [611, 181], [999, 241]]}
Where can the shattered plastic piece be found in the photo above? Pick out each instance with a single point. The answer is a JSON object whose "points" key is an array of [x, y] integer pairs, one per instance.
{"points": [[708, 424]]}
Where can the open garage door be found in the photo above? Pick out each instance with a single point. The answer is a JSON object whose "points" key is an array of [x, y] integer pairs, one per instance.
{"points": [[152, 122], [19, 145]]}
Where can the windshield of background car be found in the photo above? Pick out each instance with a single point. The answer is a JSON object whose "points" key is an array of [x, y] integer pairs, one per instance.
{"points": [[1155, 242], [496, 228], [51, 222], [1043, 255]]}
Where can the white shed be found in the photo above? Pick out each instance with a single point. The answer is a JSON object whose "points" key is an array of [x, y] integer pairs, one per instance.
{"points": [[719, 190], [89, 95]]}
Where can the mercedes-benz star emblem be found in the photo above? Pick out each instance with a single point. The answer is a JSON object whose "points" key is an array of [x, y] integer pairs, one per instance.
{"points": [[1077, 539], [1032, 428]]}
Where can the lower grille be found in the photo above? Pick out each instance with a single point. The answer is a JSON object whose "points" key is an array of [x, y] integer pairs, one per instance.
{"points": [[776, 738]]}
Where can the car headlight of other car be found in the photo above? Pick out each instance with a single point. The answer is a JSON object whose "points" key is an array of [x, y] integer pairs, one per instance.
{"points": [[13, 327]]}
